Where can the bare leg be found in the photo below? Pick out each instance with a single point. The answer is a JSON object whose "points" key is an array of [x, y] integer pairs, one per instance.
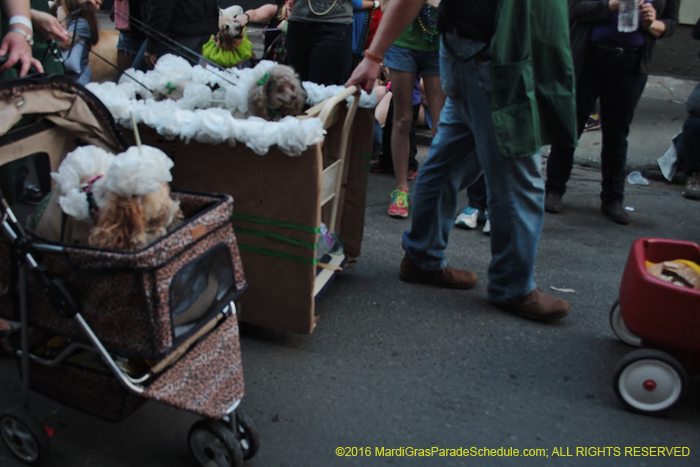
{"points": [[402, 84]]}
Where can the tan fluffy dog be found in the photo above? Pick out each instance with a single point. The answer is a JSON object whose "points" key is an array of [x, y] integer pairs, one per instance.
{"points": [[277, 94], [132, 222]]}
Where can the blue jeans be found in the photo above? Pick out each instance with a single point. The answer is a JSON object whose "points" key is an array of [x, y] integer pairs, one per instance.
{"points": [[465, 145]]}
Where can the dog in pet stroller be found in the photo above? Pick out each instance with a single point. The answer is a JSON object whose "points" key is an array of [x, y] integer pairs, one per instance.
{"points": [[105, 330]]}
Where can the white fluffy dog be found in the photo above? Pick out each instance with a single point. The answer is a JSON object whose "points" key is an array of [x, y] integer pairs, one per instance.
{"points": [[127, 196], [229, 27]]}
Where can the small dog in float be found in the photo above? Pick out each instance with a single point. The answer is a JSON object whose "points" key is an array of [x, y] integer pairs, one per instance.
{"points": [[230, 46], [277, 94]]}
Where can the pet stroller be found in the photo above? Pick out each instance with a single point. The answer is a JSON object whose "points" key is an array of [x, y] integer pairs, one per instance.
{"points": [[660, 317], [104, 331]]}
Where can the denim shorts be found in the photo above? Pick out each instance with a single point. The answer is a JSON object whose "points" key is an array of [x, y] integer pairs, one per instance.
{"points": [[128, 44], [413, 61]]}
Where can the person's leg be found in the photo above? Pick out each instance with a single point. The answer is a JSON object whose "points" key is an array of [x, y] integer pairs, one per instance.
{"points": [[451, 166], [688, 150], [561, 158], [435, 97], [330, 58], [476, 192], [514, 185], [413, 146], [620, 95], [402, 83], [298, 48]]}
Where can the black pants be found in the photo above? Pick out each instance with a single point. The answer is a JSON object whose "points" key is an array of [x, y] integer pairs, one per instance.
{"points": [[615, 79], [320, 52]]}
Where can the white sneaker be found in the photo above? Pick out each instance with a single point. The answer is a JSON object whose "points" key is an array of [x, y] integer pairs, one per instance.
{"points": [[487, 226], [469, 218]]}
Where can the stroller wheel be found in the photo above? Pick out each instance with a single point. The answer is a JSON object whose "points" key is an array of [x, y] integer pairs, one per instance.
{"points": [[213, 444], [248, 435], [619, 328], [23, 435], [649, 381]]}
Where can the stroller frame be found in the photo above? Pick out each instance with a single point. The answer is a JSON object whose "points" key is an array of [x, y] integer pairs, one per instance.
{"points": [[227, 438]]}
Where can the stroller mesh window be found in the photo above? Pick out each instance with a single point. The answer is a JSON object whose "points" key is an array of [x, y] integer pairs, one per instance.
{"points": [[199, 287]]}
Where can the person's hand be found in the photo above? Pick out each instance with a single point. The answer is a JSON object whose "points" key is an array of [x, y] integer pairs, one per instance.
{"points": [[150, 59], [242, 19], [647, 15], [365, 75], [17, 49], [47, 26], [93, 5]]}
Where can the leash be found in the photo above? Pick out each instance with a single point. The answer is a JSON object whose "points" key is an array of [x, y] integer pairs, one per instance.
{"points": [[172, 43]]}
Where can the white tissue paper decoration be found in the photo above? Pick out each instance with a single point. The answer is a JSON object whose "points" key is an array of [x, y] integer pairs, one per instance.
{"points": [[139, 171], [211, 106], [78, 165]]}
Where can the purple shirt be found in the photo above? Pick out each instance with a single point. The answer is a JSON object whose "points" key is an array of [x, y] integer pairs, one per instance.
{"points": [[606, 33]]}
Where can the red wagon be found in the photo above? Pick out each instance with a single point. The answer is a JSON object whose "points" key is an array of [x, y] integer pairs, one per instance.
{"points": [[663, 319]]}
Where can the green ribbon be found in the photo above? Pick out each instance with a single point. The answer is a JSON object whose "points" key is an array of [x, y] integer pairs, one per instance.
{"points": [[170, 87], [280, 238], [287, 225], [265, 78]]}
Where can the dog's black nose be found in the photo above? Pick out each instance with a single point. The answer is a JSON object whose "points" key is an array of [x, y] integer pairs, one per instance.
{"points": [[227, 26]]}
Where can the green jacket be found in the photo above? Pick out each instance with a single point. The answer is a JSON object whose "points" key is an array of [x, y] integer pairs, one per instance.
{"points": [[533, 100]]}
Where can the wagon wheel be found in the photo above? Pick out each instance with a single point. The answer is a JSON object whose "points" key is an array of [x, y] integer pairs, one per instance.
{"points": [[649, 381], [23, 435], [619, 328], [213, 444], [248, 435]]}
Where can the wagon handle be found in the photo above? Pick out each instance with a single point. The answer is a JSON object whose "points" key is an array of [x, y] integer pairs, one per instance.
{"points": [[333, 101]]}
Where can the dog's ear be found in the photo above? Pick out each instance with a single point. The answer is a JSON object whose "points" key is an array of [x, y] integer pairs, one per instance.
{"points": [[120, 226], [257, 100], [301, 97]]}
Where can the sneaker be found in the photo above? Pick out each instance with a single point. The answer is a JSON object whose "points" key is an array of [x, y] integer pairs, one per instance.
{"points": [[30, 193], [538, 306], [593, 123], [487, 227], [447, 277], [692, 187], [469, 218], [399, 204]]}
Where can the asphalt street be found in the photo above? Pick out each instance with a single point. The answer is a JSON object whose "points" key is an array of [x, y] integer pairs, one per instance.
{"points": [[401, 366]]}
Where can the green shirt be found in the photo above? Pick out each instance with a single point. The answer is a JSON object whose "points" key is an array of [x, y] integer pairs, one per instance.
{"points": [[414, 37]]}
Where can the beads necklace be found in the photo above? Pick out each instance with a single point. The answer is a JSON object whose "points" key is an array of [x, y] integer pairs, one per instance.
{"points": [[430, 32], [325, 12]]}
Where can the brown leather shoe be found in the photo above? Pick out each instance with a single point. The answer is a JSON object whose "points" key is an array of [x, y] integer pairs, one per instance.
{"points": [[448, 277], [615, 212], [552, 202], [537, 305]]}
